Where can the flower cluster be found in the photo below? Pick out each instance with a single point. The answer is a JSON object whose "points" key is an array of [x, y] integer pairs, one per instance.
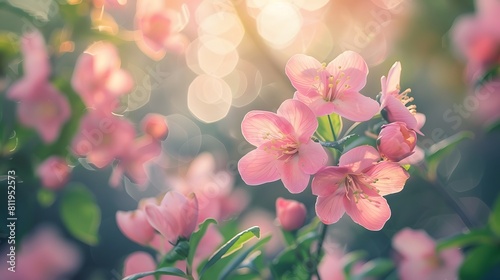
{"points": [[286, 149]]}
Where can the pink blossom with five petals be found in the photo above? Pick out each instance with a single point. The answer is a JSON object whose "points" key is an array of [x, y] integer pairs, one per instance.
{"points": [[332, 88], [284, 147], [357, 186]]}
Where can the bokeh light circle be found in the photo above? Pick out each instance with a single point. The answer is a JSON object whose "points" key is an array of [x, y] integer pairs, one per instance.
{"points": [[279, 23], [209, 98]]}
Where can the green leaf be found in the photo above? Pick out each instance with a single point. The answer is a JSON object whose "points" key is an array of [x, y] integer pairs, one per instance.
{"points": [[173, 271], [291, 261], [80, 213], [178, 253], [196, 237], [377, 268], [474, 237], [45, 197], [479, 261], [441, 149], [311, 227], [494, 219], [242, 256], [325, 129], [233, 245]]}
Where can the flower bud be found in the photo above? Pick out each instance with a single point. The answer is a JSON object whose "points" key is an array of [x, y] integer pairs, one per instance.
{"points": [[396, 142], [155, 126], [291, 214], [53, 172]]}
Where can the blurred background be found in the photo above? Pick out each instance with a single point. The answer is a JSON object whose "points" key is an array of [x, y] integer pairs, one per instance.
{"points": [[229, 60]]}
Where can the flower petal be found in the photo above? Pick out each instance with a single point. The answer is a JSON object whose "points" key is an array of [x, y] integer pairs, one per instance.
{"points": [[163, 221], [415, 158], [317, 104], [413, 244], [371, 213], [390, 85], [389, 177], [259, 127], [359, 158], [300, 117], [312, 157], [397, 112], [294, 179], [301, 70], [258, 167], [327, 181], [355, 106], [352, 66], [330, 208]]}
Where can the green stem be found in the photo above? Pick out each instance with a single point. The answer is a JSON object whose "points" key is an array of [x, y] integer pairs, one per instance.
{"points": [[331, 127], [319, 247], [353, 126]]}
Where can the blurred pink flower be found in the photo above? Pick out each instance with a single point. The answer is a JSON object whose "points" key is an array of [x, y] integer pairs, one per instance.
{"points": [[394, 103], [488, 96], [42, 106], [46, 111], [284, 147], [138, 262], [357, 186], [53, 172], [132, 161], [176, 217], [477, 37], [135, 225], [396, 142], [291, 214], [98, 78], [155, 126], [214, 189], [332, 88], [43, 255], [158, 24], [420, 258], [102, 138]]}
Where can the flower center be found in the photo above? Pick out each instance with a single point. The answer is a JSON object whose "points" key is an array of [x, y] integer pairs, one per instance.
{"points": [[359, 187], [330, 86], [405, 99]]}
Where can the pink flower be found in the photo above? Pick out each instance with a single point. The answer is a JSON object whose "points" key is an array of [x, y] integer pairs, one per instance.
{"points": [[43, 255], [420, 258], [176, 216], [477, 37], [332, 88], [53, 172], [132, 161], [159, 25], [46, 110], [102, 138], [396, 142], [42, 106], [488, 97], [98, 78], [357, 186], [284, 147], [155, 126], [291, 214], [418, 154], [394, 104], [135, 225]]}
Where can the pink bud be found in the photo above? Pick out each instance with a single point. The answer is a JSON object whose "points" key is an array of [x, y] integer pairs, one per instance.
{"points": [[53, 172], [176, 217], [396, 142], [291, 214], [155, 126]]}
